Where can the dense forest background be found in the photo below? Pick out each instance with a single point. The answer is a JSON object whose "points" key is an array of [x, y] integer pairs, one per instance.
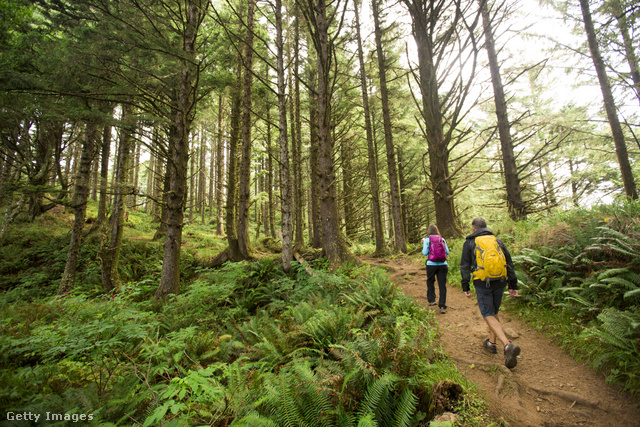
{"points": [[149, 148], [327, 125]]}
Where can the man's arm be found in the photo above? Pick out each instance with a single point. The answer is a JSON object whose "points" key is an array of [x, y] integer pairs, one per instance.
{"points": [[465, 265], [511, 270]]}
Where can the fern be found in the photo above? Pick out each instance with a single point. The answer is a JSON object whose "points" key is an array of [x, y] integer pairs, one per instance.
{"points": [[376, 394], [616, 328], [404, 410], [255, 419], [635, 293]]}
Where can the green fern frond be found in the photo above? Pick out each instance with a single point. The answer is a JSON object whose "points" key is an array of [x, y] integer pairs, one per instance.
{"points": [[255, 419], [403, 413], [632, 294], [622, 282], [613, 272], [377, 393], [580, 300], [617, 328], [572, 289], [367, 420]]}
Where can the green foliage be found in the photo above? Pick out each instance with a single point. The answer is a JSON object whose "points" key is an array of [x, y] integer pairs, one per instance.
{"points": [[245, 344], [587, 264]]}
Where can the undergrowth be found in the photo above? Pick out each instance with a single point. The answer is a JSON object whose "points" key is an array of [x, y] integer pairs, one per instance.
{"points": [[246, 344], [580, 282]]}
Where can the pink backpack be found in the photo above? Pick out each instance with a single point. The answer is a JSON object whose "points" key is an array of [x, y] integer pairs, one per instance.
{"points": [[437, 249]]}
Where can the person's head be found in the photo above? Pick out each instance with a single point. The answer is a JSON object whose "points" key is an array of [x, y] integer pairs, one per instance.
{"points": [[433, 230], [478, 223]]}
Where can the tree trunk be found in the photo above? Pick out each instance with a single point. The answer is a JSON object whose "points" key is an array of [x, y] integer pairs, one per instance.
{"points": [[316, 222], [79, 203], [333, 244], [437, 144], [398, 229], [515, 204], [629, 49], [202, 184], [49, 133], [232, 176], [609, 105], [181, 119], [285, 185], [111, 249], [270, 211], [348, 193], [192, 160], [162, 228], [219, 172], [296, 137], [402, 182], [136, 173], [244, 190], [373, 174]]}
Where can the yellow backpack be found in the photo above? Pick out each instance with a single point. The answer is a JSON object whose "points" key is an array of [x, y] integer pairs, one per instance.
{"points": [[490, 259]]}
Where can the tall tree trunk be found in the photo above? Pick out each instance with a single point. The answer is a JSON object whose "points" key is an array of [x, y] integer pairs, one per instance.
{"points": [[151, 173], [232, 177], [574, 185], [629, 48], [285, 185], [49, 133], [203, 176], [402, 182], [271, 208], [348, 193], [424, 19], [515, 204], [79, 203], [192, 160], [212, 175], [333, 244], [181, 119], [219, 171], [166, 187], [95, 184], [111, 249], [609, 105], [316, 221], [296, 137], [398, 229], [244, 187], [136, 173], [371, 165]]}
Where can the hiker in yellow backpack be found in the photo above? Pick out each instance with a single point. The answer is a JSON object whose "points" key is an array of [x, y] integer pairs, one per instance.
{"points": [[487, 258]]}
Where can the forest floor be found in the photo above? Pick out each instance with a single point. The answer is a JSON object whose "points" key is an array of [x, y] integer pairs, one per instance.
{"points": [[547, 387]]}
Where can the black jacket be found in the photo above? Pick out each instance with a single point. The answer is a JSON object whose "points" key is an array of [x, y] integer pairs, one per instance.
{"points": [[468, 263]]}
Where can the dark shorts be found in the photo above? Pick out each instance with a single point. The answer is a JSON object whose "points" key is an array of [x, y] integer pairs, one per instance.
{"points": [[489, 300]]}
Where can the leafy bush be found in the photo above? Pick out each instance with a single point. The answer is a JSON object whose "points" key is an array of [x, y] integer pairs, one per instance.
{"points": [[246, 344], [591, 270]]}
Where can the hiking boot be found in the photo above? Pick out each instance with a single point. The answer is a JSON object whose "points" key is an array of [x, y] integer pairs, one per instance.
{"points": [[511, 352], [490, 346], [432, 303], [443, 310]]}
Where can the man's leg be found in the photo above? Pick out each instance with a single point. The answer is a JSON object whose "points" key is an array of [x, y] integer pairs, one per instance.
{"points": [[495, 330]]}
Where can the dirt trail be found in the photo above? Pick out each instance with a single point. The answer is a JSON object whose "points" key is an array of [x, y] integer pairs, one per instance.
{"points": [[547, 388]]}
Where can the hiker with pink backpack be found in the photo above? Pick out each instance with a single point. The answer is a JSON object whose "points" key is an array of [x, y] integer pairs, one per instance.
{"points": [[436, 250]]}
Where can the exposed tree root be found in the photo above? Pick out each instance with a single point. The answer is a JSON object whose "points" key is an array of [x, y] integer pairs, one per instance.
{"points": [[500, 384], [570, 397]]}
